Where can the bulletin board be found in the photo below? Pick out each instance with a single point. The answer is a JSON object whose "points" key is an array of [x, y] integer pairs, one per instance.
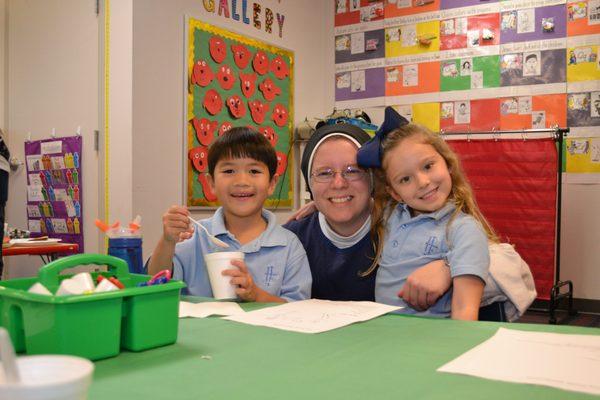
{"points": [[233, 81], [456, 65], [55, 189]]}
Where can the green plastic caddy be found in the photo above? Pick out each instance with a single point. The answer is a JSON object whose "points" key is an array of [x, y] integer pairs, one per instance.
{"points": [[95, 325]]}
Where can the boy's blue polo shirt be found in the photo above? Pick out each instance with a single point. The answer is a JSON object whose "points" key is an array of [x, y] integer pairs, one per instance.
{"points": [[412, 242], [276, 259]]}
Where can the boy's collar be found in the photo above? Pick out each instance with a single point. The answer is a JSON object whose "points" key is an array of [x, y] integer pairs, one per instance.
{"points": [[218, 227], [267, 238]]}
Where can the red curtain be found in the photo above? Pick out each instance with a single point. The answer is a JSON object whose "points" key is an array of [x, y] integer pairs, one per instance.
{"points": [[515, 184]]}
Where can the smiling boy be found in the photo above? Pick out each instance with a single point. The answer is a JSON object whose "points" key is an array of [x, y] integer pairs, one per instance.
{"points": [[241, 165]]}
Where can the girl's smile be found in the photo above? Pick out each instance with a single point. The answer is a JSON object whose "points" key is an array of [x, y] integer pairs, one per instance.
{"points": [[417, 175]]}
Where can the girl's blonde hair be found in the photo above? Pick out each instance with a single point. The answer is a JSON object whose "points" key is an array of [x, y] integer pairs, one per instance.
{"points": [[461, 192]]}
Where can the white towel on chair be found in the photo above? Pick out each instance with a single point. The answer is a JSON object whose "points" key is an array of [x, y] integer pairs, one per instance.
{"points": [[510, 280]]}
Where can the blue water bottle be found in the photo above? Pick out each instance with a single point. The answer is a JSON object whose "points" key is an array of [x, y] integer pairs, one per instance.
{"points": [[130, 250]]}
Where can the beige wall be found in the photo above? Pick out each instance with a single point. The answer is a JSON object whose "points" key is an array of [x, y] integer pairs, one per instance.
{"points": [[51, 57]]}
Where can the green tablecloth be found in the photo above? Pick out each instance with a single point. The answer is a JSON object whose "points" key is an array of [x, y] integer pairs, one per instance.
{"points": [[391, 357]]}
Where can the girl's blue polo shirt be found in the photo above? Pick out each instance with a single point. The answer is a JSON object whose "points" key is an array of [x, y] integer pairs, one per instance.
{"points": [[412, 242], [276, 259]]}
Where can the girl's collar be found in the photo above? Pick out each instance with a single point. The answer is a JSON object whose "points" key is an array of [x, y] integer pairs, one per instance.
{"points": [[404, 210]]}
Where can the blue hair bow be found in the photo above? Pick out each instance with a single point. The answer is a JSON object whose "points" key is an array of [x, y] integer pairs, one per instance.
{"points": [[369, 155]]}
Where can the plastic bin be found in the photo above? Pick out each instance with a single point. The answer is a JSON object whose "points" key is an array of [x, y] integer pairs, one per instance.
{"points": [[93, 326], [130, 250]]}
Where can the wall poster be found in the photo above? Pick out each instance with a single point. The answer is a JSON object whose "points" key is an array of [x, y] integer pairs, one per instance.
{"points": [[55, 189], [233, 80], [476, 64]]}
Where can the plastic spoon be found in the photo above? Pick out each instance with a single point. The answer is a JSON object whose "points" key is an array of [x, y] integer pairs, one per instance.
{"points": [[9, 361], [212, 238]]}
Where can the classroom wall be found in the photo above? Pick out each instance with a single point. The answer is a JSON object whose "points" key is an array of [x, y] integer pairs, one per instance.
{"points": [[158, 89], [51, 60]]}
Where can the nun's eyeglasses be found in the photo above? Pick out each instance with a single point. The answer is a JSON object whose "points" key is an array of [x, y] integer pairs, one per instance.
{"points": [[350, 173]]}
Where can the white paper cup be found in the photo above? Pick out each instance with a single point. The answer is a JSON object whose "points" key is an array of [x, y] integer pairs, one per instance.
{"points": [[49, 377], [217, 263], [38, 288], [105, 286], [85, 280], [70, 287]]}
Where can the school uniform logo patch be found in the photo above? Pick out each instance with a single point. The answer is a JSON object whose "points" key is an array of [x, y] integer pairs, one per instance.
{"points": [[270, 275], [432, 245]]}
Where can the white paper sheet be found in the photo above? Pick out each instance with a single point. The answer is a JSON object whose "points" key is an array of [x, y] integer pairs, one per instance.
{"points": [[477, 80], [357, 81], [314, 316], [357, 43], [462, 112], [203, 310], [34, 193], [538, 119], [595, 150], [526, 21], [569, 362], [408, 35], [410, 75]]}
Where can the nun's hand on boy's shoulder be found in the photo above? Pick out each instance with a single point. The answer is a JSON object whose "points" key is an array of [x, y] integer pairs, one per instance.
{"points": [[246, 289], [426, 285], [176, 224], [303, 212]]}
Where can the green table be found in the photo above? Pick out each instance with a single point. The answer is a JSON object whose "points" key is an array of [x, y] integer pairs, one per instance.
{"points": [[391, 357]]}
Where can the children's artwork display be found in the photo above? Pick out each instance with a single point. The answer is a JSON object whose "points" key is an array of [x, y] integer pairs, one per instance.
{"points": [[474, 64], [235, 81], [526, 68], [55, 189]]}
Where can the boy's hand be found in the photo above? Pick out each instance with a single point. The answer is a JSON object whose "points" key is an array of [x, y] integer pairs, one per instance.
{"points": [[246, 289], [176, 224], [426, 285]]}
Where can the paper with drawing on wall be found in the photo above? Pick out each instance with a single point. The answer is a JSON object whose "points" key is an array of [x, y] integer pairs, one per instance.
{"points": [[357, 81], [526, 21], [477, 80], [410, 75], [314, 316], [408, 37], [524, 105], [595, 151], [569, 362], [593, 12], [357, 43], [538, 119], [462, 112]]}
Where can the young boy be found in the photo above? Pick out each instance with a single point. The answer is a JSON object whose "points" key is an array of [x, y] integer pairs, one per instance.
{"points": [[241, 166]]}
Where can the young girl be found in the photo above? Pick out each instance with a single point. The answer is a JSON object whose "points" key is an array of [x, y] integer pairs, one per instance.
{"points": [[431, 215]]}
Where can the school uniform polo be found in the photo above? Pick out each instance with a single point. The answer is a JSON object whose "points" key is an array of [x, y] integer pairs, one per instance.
{"points": [[412, 242], [276, 259]]}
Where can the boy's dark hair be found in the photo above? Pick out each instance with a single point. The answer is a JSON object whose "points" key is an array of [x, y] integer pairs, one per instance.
{"points": [[531, 56], [242, 142]]}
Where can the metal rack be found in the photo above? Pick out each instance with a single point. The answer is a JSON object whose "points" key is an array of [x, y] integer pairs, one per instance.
{"points": [[558, 134]]}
